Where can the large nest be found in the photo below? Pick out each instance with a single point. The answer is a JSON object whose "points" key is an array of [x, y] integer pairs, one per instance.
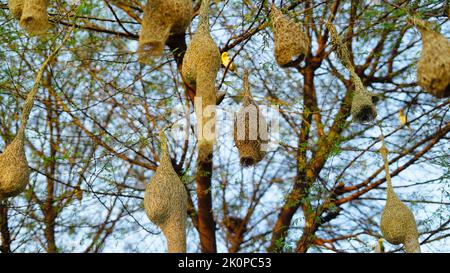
{"points": [[16, 7], [363, 102], [162, 18], [201, 64], [34, 17], [165, 203], [433, 68], [250, 129], [291, 43], [397, 221], [14, 171]]}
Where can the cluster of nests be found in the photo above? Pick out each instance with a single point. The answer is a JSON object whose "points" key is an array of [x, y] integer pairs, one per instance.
{"points": [[166, 197], [32, 15]]}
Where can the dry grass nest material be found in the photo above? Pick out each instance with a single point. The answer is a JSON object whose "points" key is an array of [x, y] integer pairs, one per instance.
{"points": [[291, 43], [16, 7], [162, 18], [34, 17]]}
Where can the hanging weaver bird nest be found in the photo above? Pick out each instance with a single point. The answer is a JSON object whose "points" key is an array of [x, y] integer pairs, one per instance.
{"points": [[165, 202], [433, 67], [14, 171], [397, 221], [250, 129], [162, 18], [16, 7], [363, 102], [291, 43], [34, 17], [201, 64]]}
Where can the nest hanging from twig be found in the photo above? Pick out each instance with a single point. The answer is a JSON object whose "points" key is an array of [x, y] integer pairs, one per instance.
{"points": [[250, 129], [16, 7], [165, 202], [14, 171], [363, 102], [162, 18], [291, 43], [34, 17], [433, 67], [397, 221], [201, 64]]}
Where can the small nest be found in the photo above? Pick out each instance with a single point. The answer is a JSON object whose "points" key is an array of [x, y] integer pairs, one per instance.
{"points": [[162, 19], [14, 171], [363, 106], [250, 130], [34, 17], [201, 64], [291, 43], [165, 203], [16, 7], [433, 67], [397, 221]]}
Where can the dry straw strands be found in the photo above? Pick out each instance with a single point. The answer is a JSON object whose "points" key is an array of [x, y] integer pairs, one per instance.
{"points": [[165, 202], [433, 67], [291, 43], [14, 171], [162, 18], [397, 221], [250, 129], [201, 64], [16, 7], [363, 102], [34, 17]]}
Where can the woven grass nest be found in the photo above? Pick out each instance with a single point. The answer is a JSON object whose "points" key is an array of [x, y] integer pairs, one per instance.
{"points": [[433, 67], [162, 18], [165, 203], [397, 221], [16, 7], [250, 129], [291, 43], [34, 18], [201, 64], [14, 171]]}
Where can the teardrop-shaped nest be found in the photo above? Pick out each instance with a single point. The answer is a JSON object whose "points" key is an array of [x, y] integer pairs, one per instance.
{"points": [[202, 55], [397, 222], [16, 7], [363, 105], [291, 43], [162, 19], [250, 130], [433, 67], [14, 170], [165, 198], [34, 17]]}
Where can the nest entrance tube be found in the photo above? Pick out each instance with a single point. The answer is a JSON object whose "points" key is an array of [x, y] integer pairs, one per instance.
{"points": [[16, 7], [433, 67], [34, 17], [165, 202], [162, 18], [397, 221], [291, 43], [250, 129], [363, 103]]}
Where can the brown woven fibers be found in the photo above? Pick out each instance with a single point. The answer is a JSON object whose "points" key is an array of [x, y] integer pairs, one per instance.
{"points": [[200, 66], [165, 202], [291, 43], [397, 221], [16, 7], [250, 129], [433, 67], [34, 17], [363, 102], [162, 18]]}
